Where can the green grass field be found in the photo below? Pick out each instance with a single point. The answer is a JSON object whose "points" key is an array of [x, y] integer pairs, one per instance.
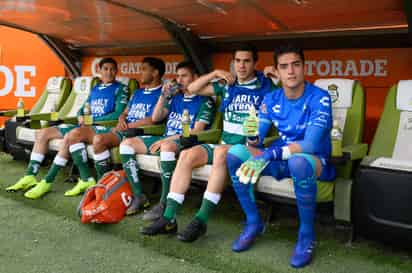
{"points": [[46, 236]]}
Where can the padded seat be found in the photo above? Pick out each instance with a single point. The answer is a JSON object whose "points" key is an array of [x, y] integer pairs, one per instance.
{"points": [[383, 188]]}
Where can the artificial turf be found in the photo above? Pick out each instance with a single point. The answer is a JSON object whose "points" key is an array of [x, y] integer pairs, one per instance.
{"points": [[46, 236]]}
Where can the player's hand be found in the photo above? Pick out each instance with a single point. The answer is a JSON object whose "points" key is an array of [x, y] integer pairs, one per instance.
{"points": [[225, 75], [121, 125], [269, 71], [155, 146], [249, 171], [80, 120]]}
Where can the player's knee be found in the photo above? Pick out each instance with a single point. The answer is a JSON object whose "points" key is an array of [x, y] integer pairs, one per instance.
{"points": [[168, 146], [74, 136], [187, 157], [219, 156], [302, 167], [99, 143], [236, 155]]}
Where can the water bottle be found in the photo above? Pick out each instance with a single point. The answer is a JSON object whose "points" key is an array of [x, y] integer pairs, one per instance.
{"points": [[87, 114], [174, 88], [20, 108], [336, 137], [186, 123], [54, 115], [252, 136]]}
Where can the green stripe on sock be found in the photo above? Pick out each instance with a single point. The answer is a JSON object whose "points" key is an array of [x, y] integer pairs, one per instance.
{"points": [[167, 168], [205, 210], [132, 172]]}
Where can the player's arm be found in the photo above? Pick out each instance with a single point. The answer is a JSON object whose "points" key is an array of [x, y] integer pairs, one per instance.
{"points": [[205, 116], [161, 109], [141, 122], [203, 86]]}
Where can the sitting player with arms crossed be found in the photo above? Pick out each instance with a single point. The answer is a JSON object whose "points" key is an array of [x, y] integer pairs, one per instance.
{"points": [[170, 106], [238, 95], [302, 114]]}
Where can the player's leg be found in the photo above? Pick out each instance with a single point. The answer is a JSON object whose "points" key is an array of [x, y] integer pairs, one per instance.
{"points": [[188, 160], [37, 156], [78, 139], [168, 154], [129, 147], [215, 186]]}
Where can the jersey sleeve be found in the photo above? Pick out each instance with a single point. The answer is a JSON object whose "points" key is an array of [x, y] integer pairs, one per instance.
{"points": [[219, 89], [206, 111]]}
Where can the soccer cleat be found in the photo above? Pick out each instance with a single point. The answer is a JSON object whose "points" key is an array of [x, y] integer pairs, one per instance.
{"points": [[160, 226], [193, 231], [39, 190], [138, 203], [24, 183], [247, 237], [154, 213], [80, 187], [303, 253]]}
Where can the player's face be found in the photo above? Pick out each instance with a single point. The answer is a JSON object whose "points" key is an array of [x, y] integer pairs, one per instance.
{"points": [[244, 65], [147, 74], [291, 70], [184, 77], [108, 72]]}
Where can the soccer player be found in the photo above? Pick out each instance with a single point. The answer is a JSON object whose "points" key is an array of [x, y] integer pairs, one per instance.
{"points": [[302, 114], [171, 106], [139, 114], [238, 95], [107, 101]]}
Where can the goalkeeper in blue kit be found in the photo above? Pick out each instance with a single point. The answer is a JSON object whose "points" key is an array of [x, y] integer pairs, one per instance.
{"points": [[302, 114]]}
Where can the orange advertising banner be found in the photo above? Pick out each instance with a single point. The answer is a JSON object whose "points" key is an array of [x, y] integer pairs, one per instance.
{"points": [[26, 63]]}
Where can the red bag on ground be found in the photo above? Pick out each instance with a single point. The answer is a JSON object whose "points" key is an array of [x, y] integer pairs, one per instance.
{"points": [[107, 201]]}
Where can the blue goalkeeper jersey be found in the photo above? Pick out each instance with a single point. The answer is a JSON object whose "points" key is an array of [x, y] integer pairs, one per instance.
{"points": [[143, 103], [297, 119]]}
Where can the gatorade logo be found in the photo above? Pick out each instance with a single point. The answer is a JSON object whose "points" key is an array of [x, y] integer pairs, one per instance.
{"points": [[127, 200], [333, 92]]}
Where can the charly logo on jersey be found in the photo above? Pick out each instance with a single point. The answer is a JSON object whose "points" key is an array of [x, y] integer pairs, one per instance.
{"points": [[325, 101], [174, 123], [276, 108], [139, 110], [333, 92], [242, 103]]}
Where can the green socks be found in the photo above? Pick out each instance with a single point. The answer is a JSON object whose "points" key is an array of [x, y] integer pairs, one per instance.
{"points": [[79, 156], [102, 163], [58, 163], [173, 204], [167, 166], [209, 203], [34, 165], [128, 158]]}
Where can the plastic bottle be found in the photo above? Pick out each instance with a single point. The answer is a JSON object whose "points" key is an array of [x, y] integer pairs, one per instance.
{"points": [[20, 108], [87, 117], [186, 123], [336, 137]]}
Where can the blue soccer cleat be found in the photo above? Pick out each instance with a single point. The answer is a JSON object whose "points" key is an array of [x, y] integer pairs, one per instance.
{"points": [[248, 236]]}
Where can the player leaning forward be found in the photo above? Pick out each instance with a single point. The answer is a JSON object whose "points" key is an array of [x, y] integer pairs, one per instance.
{"points": [[302, 114]]}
